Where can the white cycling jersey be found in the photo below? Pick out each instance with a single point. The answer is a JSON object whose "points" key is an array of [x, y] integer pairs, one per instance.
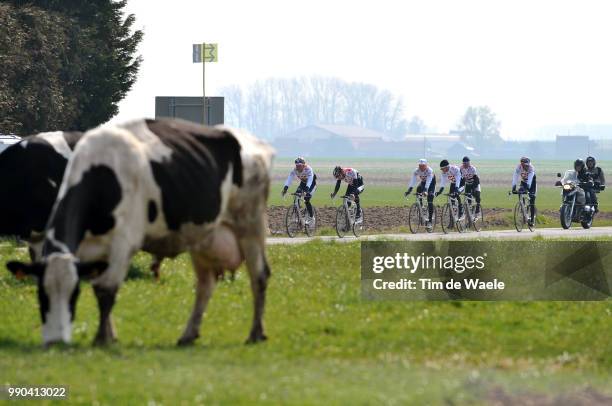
{"points": [[525, 175], [453, 175], [305, 175], [350, 175], [468, 175], [422, 176]]}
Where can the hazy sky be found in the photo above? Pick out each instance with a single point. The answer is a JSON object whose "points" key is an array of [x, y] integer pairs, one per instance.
{"points": [[535, 63]]}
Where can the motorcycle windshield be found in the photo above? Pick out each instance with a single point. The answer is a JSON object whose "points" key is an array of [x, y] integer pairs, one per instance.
{"points": [[570, 176]]}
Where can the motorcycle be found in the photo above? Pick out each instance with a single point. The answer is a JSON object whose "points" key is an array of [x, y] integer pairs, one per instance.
{"points": [[573, 201]]}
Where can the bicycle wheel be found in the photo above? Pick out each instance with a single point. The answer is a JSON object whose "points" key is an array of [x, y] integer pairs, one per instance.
{"points": [[414, 218], [446, 221], [358, 226], [342, 225], [311, 228], [519, 217], [292, 221]]}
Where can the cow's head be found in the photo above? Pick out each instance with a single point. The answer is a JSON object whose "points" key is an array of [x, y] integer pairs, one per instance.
{"points": [[58, 290]]}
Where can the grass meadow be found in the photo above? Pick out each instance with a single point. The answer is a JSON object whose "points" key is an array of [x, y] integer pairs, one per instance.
{"points": [[326, 345]]}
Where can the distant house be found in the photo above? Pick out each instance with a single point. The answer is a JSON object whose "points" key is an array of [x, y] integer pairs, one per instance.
{"points": [[439, 145], [329, 140]]}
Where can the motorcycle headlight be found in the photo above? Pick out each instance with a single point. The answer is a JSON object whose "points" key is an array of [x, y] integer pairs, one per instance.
{"points": [[567, 187]]}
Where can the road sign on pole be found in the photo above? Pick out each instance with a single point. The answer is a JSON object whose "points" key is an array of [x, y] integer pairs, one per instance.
{"points": [[203, 53]]}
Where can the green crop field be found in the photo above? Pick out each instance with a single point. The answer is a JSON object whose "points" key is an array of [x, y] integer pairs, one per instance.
{"points": [[326, 345]]}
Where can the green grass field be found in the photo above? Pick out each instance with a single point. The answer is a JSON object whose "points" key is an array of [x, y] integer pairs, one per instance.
{"points": [[326, 345]]}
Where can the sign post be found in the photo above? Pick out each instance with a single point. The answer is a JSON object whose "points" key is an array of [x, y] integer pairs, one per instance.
{"points": [[203, 53]]}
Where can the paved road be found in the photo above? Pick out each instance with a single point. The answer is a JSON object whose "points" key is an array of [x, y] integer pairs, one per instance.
{"points": [[499, 234]]}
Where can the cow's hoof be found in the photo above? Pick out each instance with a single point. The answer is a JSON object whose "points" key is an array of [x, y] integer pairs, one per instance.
{"points": [[104, 341], [184, 341], [256, 338]]}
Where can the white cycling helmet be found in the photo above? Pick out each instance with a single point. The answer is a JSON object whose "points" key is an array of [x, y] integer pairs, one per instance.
{"points": [[422, 161]]}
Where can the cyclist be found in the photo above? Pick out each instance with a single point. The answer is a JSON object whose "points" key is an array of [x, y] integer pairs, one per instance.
{"points": [[586, 182], [526, 172], [427, 183], [355, 186], [598, 179], [470, 181], [308, 183], [452, 175]]}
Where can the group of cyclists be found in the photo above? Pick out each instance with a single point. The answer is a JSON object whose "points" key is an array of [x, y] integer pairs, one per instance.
{"points": [[460, 179]]}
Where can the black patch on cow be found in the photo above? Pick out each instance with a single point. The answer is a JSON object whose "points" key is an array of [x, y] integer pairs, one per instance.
{"points": [[31, 178], [87, 206], [191, 178], [72, 137], [152, 211], [73, 301]]}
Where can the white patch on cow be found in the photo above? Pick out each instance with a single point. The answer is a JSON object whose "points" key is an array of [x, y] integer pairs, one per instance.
{"points": [[24, 143], [59, 281], [57, 140], [52, 183]]}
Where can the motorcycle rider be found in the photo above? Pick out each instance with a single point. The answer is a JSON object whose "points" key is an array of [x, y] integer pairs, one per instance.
{"points": [[598, 179], [586, 181], [471, 181], [526, 172], [427, 184], [452, 174]]}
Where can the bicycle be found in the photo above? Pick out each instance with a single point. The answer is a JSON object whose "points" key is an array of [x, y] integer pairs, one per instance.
{"points": [[522, 211], [346, 217], [450, 214], [297, 217], [419, 214], [474, 220]]}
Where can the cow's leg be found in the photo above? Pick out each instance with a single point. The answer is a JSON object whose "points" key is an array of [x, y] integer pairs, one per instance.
{"points": [[205, 285], [259, 272], [106, 300], [155, 265]]}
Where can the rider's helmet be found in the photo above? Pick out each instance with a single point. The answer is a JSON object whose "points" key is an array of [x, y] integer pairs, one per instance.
{"points": [[590, 162], [444, 165], [338, 172], [525, 161], [578, 165], [299, 163], [422, 164], [466, 161]]}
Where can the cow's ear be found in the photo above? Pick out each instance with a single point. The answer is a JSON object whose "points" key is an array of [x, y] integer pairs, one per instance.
{"points": [[91, 270], [21, 270]]}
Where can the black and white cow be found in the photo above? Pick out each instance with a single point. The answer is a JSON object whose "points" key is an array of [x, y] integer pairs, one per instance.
{"points": [[32, 171], [166, 186]]}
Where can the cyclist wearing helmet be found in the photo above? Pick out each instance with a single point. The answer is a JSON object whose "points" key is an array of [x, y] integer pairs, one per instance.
{"points": [[308, 182], [471, 181], [586, 181], [598, 179], [451, 174], [427, 183], [355, 185], [526, 172]]}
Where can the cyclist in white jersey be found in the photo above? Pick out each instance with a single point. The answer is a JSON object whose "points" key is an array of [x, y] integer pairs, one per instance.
{"points": [[308, 182], [451, 174], [525, 172], [355, 185], [470, 181], [425, 177]]}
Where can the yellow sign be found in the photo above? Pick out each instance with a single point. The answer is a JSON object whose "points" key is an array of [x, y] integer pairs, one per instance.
{"points": [[210, 52]]}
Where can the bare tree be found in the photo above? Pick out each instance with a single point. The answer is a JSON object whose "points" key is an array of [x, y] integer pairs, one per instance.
{"points": [[480, 126]]}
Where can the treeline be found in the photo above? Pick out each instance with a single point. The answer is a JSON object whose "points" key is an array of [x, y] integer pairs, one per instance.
{"points": [[275, 107], [64, 64]]}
